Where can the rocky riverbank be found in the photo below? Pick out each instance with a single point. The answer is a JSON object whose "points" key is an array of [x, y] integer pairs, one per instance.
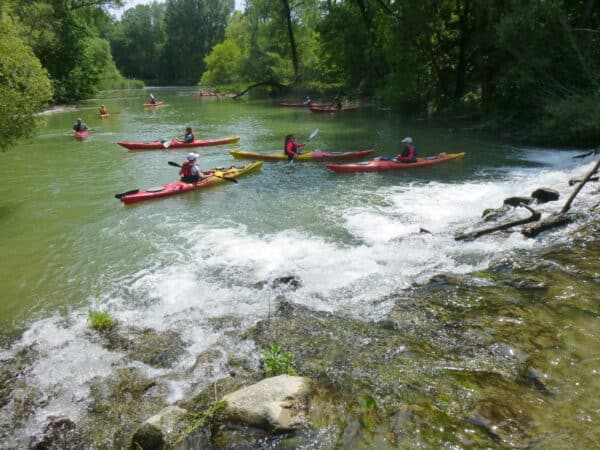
{"points": [[505, 357]]}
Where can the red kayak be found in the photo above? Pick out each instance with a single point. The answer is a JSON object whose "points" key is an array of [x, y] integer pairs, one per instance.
{"points": [[299, 105], [381, 165], [81, 134], [153, 104], [331, 109], [212, 177], [317, 155], [159, 145]]}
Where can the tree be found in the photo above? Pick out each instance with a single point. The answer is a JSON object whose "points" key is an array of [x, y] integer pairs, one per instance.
{"points": [[138, 39], [193, 27], [24, 85]]}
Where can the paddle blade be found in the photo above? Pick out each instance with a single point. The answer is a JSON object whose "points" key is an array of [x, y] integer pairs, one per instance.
{"points": [[166, 144], [174, 164], [313, 134], [134, 191]]}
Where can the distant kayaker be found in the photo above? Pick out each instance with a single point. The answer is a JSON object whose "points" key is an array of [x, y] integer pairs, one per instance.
{"points": [[103, 110], [291, 147], [307, 101], [189, 135], [79, 125], [152, 99], [409, 154], [190, 171]]}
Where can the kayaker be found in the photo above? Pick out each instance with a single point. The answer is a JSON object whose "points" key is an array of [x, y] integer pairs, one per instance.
{"points": [[307, 100], [189, 135], [152, 99], [291, 147], [409, 154], [190, 171], [103, 110], [79, 125]]}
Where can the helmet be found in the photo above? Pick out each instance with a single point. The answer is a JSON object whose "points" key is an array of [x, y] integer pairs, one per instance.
{"points": [[407, 140], [192, 156]]}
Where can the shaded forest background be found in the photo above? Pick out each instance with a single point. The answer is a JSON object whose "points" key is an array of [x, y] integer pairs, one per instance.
{"points": [[527, 65]]}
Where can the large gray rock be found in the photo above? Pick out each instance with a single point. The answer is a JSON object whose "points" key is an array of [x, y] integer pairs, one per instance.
{"points": [[274, 404], [161, 430]]}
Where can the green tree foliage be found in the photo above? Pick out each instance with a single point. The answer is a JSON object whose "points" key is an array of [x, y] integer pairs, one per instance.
{"points": [[137, 41], [63, 36], [193, 27], [24, 85]]}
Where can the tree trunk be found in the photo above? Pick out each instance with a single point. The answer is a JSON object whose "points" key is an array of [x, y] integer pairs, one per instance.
{"points": [[465, 34], [288, 18]]}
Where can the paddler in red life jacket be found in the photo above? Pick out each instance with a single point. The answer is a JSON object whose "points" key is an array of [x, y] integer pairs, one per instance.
{"points": [[190, 171], [409, 154], [291, 147]]}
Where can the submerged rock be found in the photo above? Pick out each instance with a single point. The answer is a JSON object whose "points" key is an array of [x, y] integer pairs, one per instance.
{"points": [[274, 404], [161, 430], [503, 422], [56, 433], [516, 201], [544, 195]]}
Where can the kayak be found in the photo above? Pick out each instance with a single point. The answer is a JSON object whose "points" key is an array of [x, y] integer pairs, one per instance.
{"points": [[379, 165], [158, 145], [81, 134], [205, 94], [308, 156], [216, 176], [104, 116], [331, 109], [154, 104], [299, 105]]}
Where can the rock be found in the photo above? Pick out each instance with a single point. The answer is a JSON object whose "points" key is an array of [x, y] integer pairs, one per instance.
{"points": [[275, 404], [543, 195], [289, 281], [504, 422], [516, 201], [161, 430], [55, 433], [523, 283]]}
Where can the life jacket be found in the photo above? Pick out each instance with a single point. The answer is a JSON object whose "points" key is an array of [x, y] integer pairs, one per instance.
{"points": [[186, 168], [409, 155], [290, 148], [189, 137]]}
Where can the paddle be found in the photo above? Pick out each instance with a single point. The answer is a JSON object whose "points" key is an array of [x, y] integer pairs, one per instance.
{"points": [[167, 144], [134, 191], [233, 180], [312, 135]]}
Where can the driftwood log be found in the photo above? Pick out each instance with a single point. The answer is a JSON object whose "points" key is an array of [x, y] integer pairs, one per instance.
{"points": [[555, 220], [562, 218], [535, 216]]}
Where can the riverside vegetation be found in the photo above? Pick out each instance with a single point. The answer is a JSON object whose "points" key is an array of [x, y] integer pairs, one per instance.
{"points": [[460, 60]]}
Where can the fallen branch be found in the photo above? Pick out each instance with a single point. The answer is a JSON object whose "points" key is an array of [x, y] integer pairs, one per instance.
{"points": [[579, 188], [262, 83], [562, 218], [572, 182], [535, 215]]}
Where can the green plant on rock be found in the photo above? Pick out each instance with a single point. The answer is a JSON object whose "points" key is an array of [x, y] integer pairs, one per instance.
{"points": [[278, 362], [101, 320]]}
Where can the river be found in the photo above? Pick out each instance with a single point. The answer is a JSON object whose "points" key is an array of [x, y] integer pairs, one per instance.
{"points": [[175, 263]]}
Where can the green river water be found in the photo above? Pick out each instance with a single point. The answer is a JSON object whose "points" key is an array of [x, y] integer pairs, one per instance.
{"points": [[172, 264]]}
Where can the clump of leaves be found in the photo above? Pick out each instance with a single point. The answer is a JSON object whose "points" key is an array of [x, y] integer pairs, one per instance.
{"points": [[101, 320], [277, 362]]}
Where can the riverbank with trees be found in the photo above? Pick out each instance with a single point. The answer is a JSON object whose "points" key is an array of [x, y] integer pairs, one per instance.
{"points": [[532, 68]]}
